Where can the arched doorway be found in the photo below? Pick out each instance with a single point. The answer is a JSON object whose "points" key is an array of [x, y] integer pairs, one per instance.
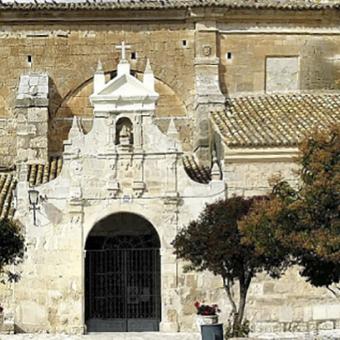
{"points": [[122, 275]]}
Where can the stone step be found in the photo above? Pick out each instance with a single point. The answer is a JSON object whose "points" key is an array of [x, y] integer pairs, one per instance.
{"points": [[106, 336]]}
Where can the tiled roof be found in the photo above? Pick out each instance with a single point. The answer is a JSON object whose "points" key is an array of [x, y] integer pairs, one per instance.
{"points": [[195, 171], [165, 4], [275, 120], [43, 173], [7, 185], [38, 174]]}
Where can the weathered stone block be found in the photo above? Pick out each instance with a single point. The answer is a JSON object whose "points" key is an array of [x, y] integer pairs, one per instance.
{"points": [[326, 312]]}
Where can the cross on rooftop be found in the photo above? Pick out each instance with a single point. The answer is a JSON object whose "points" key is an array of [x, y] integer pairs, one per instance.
{"points": [[123, 48]]}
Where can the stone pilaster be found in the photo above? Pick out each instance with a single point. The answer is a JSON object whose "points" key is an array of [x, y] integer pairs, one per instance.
{"points": [[138, 185], [32, 118], [208, 94]]}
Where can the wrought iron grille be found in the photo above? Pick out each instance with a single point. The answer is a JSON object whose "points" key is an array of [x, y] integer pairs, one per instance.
{"points": [[123, 289]]}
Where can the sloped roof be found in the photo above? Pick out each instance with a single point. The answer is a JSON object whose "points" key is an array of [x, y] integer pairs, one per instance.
{"points": [[275, 120], [43, 173], [37, 174], [165, 4], [196, 172], [7, 185]]}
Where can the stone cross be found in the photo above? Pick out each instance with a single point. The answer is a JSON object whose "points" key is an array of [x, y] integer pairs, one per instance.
{"points": [[123, 48]]}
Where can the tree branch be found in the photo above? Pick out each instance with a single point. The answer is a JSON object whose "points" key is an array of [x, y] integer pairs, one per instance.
{"points": [[226, 284], [334, 292]]}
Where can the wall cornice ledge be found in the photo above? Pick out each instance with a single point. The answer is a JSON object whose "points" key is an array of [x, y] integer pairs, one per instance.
{"points": [[275, 154]]}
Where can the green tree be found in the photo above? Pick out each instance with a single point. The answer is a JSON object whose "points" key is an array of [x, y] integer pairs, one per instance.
{"points": [[305, 222], [11, 249], [213, 242]]}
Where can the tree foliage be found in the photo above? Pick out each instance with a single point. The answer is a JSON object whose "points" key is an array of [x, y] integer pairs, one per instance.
{"points": [[305, 222], [11, 248], [213, 242]]}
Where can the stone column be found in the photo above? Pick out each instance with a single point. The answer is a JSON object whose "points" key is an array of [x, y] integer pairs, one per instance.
{"points": [[32, 118], [208, 94]]}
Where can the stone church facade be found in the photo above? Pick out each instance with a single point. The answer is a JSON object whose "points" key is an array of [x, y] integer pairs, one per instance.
{"points": [[127, 118]]}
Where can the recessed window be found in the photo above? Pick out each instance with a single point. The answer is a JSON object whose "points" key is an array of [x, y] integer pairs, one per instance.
{"points": [[229, 56], [184, 43], [29, 59], [133, 55]]}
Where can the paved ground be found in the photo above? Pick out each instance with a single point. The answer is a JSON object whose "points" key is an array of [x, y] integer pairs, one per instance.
{"points": [[322, 335]]}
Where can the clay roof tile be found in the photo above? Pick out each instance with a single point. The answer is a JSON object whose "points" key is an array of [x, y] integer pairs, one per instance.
{"points": [[275, 120]]}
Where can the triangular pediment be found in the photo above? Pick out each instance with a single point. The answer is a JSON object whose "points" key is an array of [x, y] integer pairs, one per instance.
{"points": [[125, 87]]}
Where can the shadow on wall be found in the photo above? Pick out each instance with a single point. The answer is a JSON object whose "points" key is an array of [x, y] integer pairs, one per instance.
{"points": [[320, 66]]}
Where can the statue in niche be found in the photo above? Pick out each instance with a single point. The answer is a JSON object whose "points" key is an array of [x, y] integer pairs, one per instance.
{"points": [[125, 135]]}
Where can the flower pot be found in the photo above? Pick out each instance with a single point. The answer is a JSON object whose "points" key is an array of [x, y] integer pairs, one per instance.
{"points": [[206, 320]]}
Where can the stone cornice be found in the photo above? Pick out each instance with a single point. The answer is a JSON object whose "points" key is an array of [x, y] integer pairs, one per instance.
{"points": [[241, 155], [217, 13]]}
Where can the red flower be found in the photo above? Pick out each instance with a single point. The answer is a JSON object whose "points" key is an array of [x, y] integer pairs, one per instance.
{"points": [[206, 309]]}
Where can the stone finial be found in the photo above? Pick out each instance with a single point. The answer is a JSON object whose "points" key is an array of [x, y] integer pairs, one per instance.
{"points": [[99, 78], [76, 129], [148, 68], [172, 130], [99, 67], [148, 78], [215, 169], [174, 136]]}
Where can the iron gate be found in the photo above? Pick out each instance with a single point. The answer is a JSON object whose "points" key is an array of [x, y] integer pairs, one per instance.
{"points": [[123, 290]]}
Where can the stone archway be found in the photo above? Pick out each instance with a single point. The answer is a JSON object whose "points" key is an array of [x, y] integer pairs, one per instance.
{"points": [[122, 275]]}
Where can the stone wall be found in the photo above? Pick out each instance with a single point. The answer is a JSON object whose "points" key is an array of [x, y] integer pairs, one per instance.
{"points": [[245, 70], [252, 177], [69, 54], [288, 304], [32, 118], [187, 57], [8, 148]]}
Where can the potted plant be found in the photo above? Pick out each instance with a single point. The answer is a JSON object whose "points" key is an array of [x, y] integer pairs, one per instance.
{"points": [[206, 314]]}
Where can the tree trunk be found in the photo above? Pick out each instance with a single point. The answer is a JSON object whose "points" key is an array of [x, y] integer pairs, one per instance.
{"points": [[238, 317], [237, 312]]}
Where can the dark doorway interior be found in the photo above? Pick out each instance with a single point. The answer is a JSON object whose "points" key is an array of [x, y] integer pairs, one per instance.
{"points": [[122, 275]]}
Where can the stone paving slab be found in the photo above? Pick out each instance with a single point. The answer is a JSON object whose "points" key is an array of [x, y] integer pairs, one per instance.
{"points": [[106, 336], [321, 335]]}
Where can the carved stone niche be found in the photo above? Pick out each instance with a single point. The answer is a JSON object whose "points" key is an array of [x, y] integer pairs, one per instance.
{"points": [[138, 188], [124, 134]]}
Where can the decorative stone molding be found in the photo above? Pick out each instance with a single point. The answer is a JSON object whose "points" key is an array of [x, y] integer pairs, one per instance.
{"points": [[113, 188], [138, 188]]}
